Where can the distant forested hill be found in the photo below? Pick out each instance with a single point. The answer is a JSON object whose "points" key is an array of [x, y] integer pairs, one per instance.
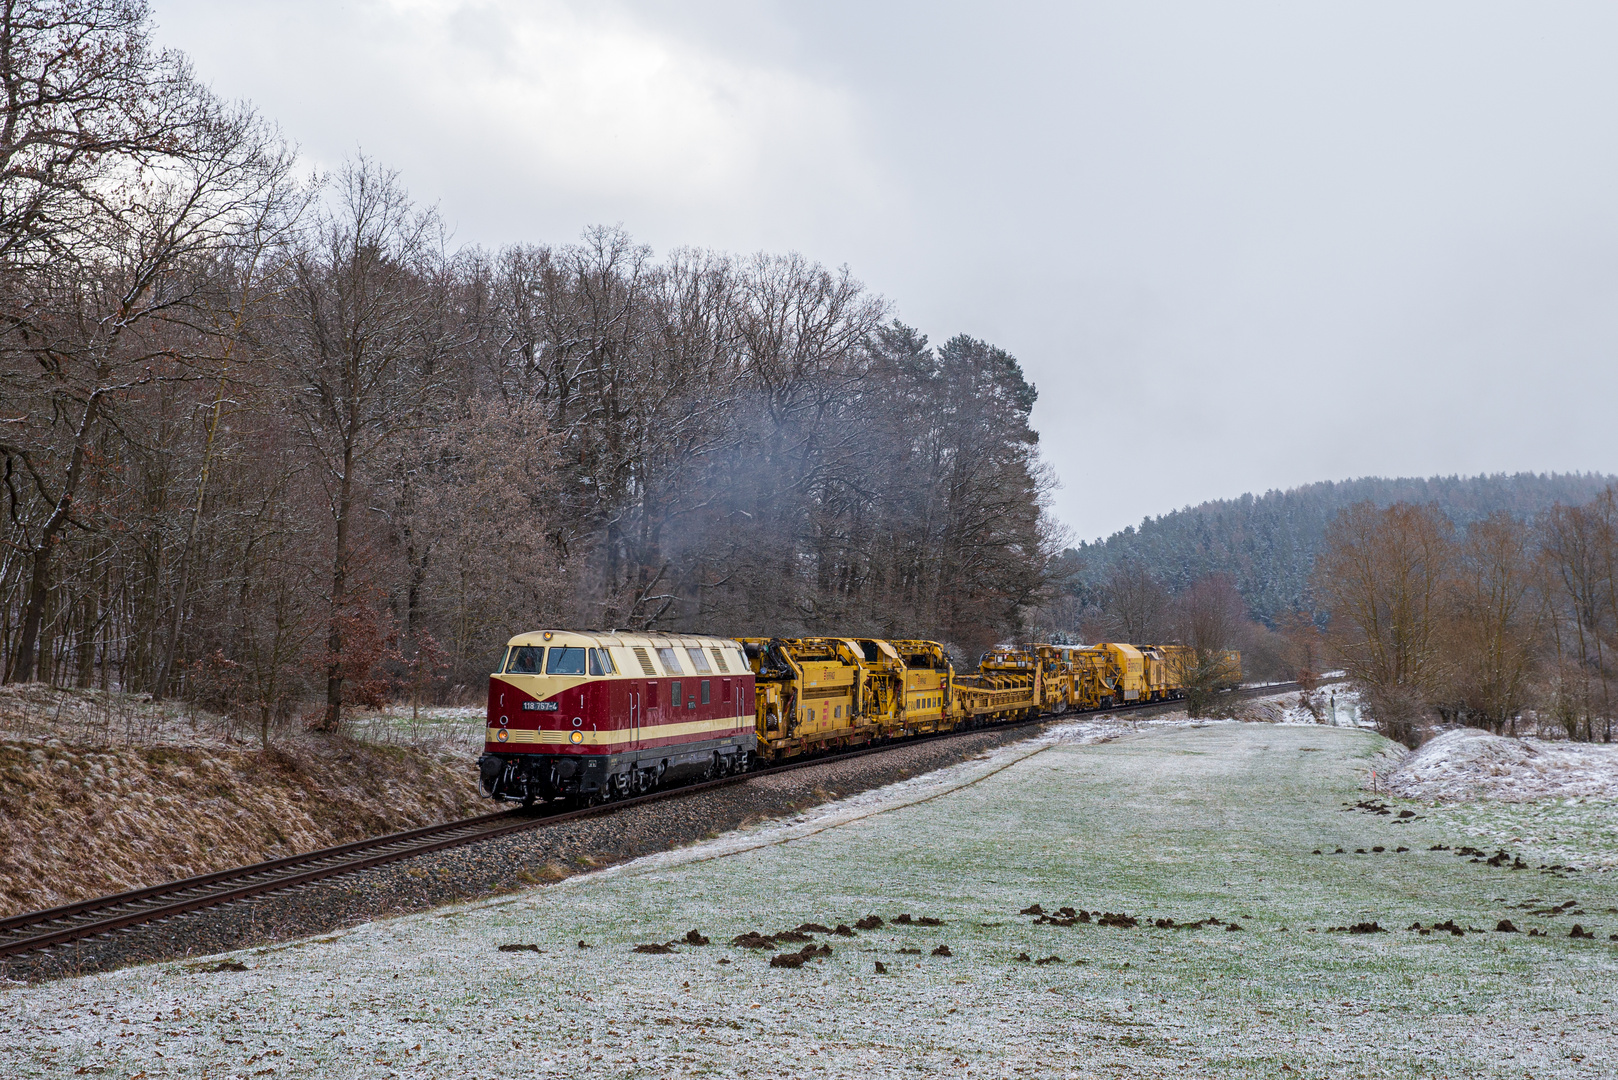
{"points": [[1267, 542]]}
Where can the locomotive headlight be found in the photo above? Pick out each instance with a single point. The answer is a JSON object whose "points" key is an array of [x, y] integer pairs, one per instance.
{"points": [[576, 738]]}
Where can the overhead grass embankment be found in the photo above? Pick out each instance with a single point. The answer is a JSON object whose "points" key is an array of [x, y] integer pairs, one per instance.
{"points": [[100, 793]]}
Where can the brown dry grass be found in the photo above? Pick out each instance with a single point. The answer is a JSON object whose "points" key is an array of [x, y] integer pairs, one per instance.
{"points": [[98, 796]]}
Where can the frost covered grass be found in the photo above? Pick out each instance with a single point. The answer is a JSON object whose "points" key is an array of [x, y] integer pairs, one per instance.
{"points": [[444, 728], [74, 716], [102, 791], [1178, 821]]}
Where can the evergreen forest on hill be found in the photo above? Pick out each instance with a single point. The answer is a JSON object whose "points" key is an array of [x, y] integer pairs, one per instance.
{"points": [[1267, 543]]}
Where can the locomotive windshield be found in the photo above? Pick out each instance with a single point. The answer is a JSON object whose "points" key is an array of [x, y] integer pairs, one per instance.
{"points": [[525, 660], [565, 661]]}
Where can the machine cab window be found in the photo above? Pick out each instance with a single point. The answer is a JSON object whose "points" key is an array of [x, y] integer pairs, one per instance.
{"points": [[525, 660], [565, 660], [601, 663]]}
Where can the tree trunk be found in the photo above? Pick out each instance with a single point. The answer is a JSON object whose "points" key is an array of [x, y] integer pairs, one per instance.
{"points": [[22, 669], [165, 665], [339, 596]]}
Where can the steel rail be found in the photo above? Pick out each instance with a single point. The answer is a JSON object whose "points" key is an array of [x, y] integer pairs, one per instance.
{"points": [[277, 875]]}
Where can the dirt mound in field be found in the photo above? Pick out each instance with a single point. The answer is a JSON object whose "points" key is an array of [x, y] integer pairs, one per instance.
{"points": [[1473, 764]]}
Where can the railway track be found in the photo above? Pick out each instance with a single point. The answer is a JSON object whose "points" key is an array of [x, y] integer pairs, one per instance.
{"points": [[106, 915]]}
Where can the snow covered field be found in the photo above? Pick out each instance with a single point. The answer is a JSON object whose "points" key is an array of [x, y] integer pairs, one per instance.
{"points": [[1180, 821]]}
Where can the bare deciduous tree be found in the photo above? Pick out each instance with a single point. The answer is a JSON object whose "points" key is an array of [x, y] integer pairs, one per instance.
{"points": [[1494, 627], [1578, 552], [1211, 621], [356, 368], [1385, 576]]}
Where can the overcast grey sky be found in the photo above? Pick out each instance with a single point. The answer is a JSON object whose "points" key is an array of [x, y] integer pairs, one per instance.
{"points": [[1237, 246]]}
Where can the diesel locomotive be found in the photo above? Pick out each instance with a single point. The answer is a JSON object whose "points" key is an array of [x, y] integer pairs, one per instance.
{"points": [[606, 715]]}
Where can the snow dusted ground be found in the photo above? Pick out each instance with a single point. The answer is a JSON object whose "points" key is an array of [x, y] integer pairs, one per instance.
{"points": [[1557, 802], [1338, 705], [1473, 764], [1177, 820]]}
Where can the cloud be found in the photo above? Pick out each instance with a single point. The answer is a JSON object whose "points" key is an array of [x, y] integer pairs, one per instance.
{"points": [[588, 99]]}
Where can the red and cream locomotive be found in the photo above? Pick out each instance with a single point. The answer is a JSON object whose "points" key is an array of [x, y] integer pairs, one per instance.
{"points": [[602, 715]]}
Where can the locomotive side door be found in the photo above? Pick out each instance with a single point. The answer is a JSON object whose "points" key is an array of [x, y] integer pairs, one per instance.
{"points": [[634, 715]]}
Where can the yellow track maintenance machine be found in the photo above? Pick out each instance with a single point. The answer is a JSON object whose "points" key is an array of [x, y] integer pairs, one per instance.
{"points": [[821, 693]]}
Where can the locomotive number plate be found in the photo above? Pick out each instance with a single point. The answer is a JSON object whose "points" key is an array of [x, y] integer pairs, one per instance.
{"points": [[539, 706]]}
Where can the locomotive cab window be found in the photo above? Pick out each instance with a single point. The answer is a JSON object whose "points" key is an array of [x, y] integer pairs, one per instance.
{"points": [[601, 663], [671, 663], [565, 660], [525, 660]]}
